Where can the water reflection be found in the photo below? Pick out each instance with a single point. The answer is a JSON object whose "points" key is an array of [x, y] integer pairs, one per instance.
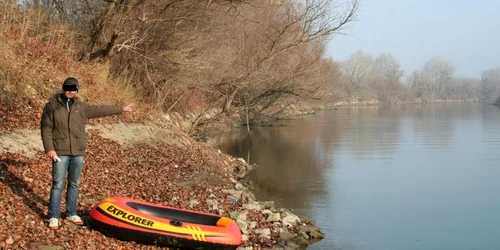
{"points": [[296, 162]]}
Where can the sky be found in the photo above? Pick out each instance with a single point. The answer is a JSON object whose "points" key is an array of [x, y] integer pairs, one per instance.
{"points": [[467, 32]]}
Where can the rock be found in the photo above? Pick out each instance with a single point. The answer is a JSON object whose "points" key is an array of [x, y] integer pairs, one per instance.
{"points": [[303, 229], [253, 206], [285, 235], [291, 245], [193, 203], [305, 236], [268, 204], [264, 233], [243, 169], [316, 233], [233, 215], [302, 241], [266, 211], [248, 196], [273, 217], [252, 224], [239, 186], [238, 215], [243, 226], [235, 193], [291, 220], [213, 204], [244, 237]]}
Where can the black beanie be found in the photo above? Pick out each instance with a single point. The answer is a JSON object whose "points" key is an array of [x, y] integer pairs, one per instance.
{"points": [[71, 81]]}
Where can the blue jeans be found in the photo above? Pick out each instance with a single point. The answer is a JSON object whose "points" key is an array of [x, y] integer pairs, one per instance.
{"points": [[72, 166]]}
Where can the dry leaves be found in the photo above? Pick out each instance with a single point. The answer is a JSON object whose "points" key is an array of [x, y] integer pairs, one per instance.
{"points": [[163, 174]]}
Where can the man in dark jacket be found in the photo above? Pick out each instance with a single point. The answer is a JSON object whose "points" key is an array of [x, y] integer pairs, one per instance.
{"points": [[64, 140]]}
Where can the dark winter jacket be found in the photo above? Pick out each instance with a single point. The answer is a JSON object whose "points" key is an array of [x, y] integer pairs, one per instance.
{"points": [[63, 127]]}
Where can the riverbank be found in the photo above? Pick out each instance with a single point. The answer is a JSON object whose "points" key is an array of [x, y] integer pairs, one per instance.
{"points": [[155, 162]]}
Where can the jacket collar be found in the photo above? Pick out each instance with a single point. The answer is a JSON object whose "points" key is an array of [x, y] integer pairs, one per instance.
{"points": [[56, 97]]}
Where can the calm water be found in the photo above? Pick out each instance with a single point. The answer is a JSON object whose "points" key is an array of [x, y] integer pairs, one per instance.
{"points": [[405, 177]]}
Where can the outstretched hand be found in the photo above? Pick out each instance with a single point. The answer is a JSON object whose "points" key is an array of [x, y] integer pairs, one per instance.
{"points": [[127, 108]]}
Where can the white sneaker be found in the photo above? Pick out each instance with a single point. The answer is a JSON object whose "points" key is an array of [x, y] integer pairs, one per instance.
{"points": [[53, 223], [75, 219]]}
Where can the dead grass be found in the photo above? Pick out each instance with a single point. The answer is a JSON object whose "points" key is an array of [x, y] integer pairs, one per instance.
{"points": [[33, 65]]}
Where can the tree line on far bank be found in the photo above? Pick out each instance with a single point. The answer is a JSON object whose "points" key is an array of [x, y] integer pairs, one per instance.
{"points": [[249, 59], [381, 78]]}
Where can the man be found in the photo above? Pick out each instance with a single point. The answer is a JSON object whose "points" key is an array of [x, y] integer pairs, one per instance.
{"points": [[64, 140]]}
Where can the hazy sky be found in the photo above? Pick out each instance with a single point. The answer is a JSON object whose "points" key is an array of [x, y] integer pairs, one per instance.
{"points": [[467, 32]]}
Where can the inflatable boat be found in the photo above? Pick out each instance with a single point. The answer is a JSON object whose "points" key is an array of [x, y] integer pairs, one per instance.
{"points": [[133, 220]]}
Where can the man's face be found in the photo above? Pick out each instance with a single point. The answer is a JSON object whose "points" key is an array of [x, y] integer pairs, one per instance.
{"points": [[70, 91]]}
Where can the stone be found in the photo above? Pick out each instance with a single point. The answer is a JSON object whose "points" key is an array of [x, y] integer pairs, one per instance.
{"points": [[268, 204], [273, 217], [193, 203], [291, 220], [238, 215], [243, 226], [285, 235], [239, 186], [316, 233], [252, 224], [267, 211], [213, 203], [303, 229], [301, 241], [235, 193], [264, 233], [244, 237], [291, 246], [253, 206]]}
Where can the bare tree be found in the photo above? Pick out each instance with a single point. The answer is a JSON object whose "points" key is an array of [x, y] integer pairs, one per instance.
{"points": [[490, 84], [439, 73], [258, 53], [466, 88], [419, 85], [388, 68], [387, 75], [288, 25], [357, 70]]}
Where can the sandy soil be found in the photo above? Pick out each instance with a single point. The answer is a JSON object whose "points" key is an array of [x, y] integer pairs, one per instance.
{"points": [[28, 142]]}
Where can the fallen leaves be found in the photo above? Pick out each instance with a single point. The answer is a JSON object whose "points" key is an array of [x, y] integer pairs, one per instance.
{"points": [[163, 174]]}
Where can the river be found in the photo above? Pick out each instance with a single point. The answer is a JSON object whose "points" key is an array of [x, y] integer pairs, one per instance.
{"points": [[420, 176]]}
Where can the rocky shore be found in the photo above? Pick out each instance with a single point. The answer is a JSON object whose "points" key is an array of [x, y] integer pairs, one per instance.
{"points": [[262, 219]]}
